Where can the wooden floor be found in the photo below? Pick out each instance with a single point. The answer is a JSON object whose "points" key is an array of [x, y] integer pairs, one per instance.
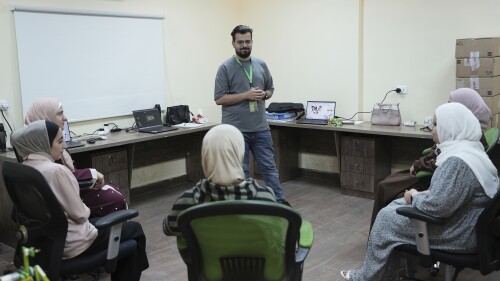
{"points": [[340, 224]]}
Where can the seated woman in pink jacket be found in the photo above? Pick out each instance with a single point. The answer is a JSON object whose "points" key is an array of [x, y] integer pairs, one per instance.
{"points": [[101, 198], [40, 144]]}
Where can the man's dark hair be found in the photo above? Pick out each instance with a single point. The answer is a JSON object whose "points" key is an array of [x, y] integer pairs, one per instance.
{"points": [[242, 29]]}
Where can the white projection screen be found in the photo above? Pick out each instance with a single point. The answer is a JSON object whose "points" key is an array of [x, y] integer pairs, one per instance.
{"points": [[98, 64]]}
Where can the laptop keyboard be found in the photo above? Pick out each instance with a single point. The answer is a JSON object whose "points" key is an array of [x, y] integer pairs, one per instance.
{"points": [[156, 129], [313, 121]]}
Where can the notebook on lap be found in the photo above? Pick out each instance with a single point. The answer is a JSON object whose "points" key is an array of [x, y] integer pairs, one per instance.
{"points": [[67, 137], [318, 112], [149, 121]]}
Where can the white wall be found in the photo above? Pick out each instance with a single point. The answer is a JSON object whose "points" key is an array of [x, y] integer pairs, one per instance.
{"points": [[412, 42], [194, 31], [351, 51], [311, 48]]}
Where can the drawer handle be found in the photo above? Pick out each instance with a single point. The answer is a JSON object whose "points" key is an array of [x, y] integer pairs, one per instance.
{"points": [[356, 165], [111, 160]]}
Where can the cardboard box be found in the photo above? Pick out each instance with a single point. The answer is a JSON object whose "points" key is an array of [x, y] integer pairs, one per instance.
{"points": [[487, 67], [493, 104], [481, 47], [486, 87]]}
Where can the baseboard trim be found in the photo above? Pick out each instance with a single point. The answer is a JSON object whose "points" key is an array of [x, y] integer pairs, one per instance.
{"points": [[320, 175], [140, 190]]}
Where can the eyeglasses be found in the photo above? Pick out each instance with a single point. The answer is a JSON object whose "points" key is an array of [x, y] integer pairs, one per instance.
{"points": [[426, 129], [241, 42]]}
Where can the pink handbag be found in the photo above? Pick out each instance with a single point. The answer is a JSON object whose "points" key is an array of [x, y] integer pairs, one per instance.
{"points": [[386, 114]]}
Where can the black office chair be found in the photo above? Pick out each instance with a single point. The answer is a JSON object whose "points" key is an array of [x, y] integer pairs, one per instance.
{"points": [[242, 240], [43, 225], [487, 258]]}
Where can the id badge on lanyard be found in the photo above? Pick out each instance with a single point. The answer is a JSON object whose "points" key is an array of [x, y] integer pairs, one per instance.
{"points": [[251, 104]]}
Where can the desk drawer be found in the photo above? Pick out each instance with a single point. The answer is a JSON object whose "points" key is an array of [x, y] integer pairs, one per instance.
{"points": [[360, 182], [360, 165], [118, 178], [358, 146], [352, 164], [110, 162]]}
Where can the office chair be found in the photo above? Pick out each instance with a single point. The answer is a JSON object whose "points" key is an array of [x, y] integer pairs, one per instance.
{"points": [[243, 240], [43, 225], [491, 136], [487, 257]]}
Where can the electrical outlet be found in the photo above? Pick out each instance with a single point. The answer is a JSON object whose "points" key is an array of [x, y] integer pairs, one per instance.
{"points": [[4, 105], [404, 89]]}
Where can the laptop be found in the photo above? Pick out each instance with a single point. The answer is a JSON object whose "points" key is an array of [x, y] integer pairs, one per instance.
{"points": [[318, 112], [149, 121], [67, 137]]}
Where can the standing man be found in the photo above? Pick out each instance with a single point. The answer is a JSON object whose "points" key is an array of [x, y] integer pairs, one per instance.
{"points": [[242, 85]]}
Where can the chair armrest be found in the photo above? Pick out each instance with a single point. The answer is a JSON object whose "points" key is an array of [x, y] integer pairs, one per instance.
{"points": [[420, 220], [423, 174], [115, 218], [86, 183], [414, 213], [114, 221], [305, 241], [306, 234], [426, 151]]}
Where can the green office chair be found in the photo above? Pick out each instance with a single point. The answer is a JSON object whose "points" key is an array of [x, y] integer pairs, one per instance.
{"points": [[491, 136], [243, 240]]}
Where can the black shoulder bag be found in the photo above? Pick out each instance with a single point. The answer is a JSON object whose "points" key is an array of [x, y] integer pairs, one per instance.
{"points": [[177, 114]]}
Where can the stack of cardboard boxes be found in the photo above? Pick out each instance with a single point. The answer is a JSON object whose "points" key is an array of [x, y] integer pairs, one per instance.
{"points": [[478, 67]]}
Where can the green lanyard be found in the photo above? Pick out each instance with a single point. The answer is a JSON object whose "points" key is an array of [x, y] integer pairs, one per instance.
{"points": [[249, 75], [252, 104]]}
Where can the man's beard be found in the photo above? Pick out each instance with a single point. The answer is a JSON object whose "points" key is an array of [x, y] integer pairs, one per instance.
{"points": [[244, 53]]}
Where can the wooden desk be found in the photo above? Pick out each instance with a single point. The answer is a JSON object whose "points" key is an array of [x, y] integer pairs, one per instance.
{"points": [[390, 144], [117, 156]]}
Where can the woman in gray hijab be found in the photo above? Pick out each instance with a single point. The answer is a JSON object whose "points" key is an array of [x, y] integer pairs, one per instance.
{"points": [[40, 144]]}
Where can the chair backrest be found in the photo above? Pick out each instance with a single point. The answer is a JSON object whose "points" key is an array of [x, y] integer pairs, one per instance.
{"points": [[18, 156], [488, 237], [491, 136], [241, 240], [38, 211]]}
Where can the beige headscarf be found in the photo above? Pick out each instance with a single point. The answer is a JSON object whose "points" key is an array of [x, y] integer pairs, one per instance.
{"points": [[222, 155], [47, 109], [43, 109], [32, 139]]}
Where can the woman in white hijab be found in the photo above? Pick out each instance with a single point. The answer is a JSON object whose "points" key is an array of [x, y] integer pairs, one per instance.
{"points": [[461, 187], [222, 154], [102, 199]]}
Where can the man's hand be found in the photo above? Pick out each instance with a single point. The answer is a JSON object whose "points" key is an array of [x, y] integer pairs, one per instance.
{"points": [[255, 94]]}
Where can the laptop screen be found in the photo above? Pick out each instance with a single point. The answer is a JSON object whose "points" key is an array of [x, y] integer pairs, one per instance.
{"points": [[66, 132], [320, 110], [147, 118]]}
